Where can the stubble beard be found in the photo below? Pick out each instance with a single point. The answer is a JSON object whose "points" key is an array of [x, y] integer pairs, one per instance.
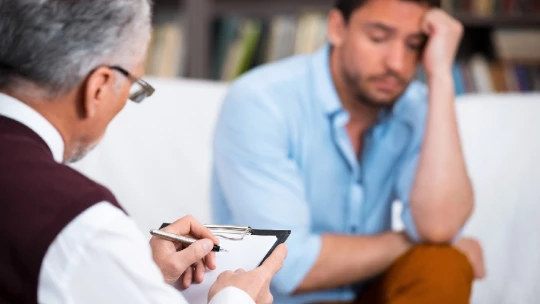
{"points": [[361, 95]]}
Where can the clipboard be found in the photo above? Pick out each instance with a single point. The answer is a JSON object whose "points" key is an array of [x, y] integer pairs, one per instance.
{"points": [[248, 249], [241, 231]]}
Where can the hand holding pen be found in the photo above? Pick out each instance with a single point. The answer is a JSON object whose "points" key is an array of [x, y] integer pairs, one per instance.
{"points": [[185, 262], [181, 239]]}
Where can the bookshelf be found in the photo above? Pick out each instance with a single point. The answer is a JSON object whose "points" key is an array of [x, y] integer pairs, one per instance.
{"points": [[199, 20], [499, 20]]}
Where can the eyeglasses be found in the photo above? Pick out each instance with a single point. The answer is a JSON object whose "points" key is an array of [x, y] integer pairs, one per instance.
{"points": [[139, 90]]}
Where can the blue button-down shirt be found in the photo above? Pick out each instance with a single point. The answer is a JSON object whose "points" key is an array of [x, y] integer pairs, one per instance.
{"points": [[283, 160]]}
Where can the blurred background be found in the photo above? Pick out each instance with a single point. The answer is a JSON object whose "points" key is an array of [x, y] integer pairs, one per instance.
{"points": [[222, 39], [199, 46]]}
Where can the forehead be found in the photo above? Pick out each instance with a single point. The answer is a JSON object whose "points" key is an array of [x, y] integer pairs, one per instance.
{"points": [[406, 16]]}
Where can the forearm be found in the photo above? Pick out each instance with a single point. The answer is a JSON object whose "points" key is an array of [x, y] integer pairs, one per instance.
{"points": [[349, 259], [442, 195]]}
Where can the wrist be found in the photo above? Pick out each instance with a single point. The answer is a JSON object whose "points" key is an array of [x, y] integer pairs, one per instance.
{"points": [[440, 76], [402, 242]]}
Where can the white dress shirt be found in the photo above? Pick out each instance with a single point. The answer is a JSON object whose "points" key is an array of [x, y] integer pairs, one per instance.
{"points": [[100, 256]]}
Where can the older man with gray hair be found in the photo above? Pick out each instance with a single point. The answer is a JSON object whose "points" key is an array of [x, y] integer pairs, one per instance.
{"points": [[67, 68]]}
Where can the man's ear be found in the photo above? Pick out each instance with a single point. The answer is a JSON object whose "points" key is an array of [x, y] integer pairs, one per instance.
{"points": [[336, 27], [100, 86]]}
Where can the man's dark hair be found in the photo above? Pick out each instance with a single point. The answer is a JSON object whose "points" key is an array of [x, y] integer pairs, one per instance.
{"points": [[347, 7]]}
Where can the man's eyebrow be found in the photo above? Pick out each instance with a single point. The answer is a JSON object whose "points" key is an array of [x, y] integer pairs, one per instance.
{"points": [[380, 26], [389, 29]]}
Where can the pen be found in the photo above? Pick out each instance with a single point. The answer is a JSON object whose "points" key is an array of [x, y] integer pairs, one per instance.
{"points": [[182, 239]]}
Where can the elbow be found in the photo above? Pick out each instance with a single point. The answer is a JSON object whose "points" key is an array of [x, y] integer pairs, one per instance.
{"points": [[441, 223], [443, 227], [437, 234]]}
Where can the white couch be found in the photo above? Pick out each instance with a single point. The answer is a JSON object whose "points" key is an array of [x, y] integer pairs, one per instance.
{"points": [[156, 158]]}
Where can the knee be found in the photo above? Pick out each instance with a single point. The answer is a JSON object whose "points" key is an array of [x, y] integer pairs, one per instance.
{"points": [[440, 265], [438, 272]]}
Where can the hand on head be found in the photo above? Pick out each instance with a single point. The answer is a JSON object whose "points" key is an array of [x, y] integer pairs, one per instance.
{"points": [[444, 36]]}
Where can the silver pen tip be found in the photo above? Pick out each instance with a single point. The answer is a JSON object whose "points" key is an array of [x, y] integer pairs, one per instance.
{"points": [[223, 250]]}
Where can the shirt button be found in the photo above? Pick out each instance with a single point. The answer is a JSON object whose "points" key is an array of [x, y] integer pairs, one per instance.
{"points": [[353, 229]]}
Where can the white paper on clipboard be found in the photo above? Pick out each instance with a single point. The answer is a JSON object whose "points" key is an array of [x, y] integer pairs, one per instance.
{"points": [[246, 254]]}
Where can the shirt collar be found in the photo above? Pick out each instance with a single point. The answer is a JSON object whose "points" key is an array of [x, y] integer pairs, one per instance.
{"points": [[324, 87], [24, 114]]}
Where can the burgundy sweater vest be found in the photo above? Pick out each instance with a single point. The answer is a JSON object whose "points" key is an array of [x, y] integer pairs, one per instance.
{"points": [[38, 198]]}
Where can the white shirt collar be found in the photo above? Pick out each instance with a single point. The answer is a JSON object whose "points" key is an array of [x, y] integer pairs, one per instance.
{"points": [[24, 114]]}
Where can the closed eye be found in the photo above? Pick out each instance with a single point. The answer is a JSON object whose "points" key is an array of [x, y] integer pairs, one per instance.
{"points": [[378, 32], [378, 39], [415, 46], [417, 42]]}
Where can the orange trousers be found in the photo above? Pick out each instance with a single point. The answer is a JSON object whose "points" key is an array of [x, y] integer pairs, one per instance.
{"points": [[426, 274]]}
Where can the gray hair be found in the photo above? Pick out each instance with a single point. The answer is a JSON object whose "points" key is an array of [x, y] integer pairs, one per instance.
{"points": [[55, 44]]}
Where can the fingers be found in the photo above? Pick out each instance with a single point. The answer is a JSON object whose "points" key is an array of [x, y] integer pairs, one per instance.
{"points": [[187, 278], [432, 20], [200, 270], [427, 27], [210, 260], [188, 225], [192, 254], [473, 250], [438, 20], [240, 271], [481, 273], [437, 14], [275, 261], [477, 267]]}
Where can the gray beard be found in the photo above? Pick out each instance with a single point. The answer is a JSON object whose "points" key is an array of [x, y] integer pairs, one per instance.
{"points": [[80, 152]]}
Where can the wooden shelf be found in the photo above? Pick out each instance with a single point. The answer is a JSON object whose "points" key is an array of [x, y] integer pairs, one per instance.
{"points": [[266, 9], [258, 8], [499, 20], [201, 14], [158, 3]]}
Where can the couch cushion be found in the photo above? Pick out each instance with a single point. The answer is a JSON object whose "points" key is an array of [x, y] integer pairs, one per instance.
{"points": [[501, 139]]}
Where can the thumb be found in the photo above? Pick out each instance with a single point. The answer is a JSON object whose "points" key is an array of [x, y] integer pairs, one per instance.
{"points": [[195, 252], [275, 261]]}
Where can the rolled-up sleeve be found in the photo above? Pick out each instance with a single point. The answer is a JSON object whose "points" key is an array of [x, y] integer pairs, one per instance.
{"points": [[260, 182]]}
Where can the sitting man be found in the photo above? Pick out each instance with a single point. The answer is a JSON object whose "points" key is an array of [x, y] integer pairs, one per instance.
{"points": [[323, 144], [63, 77]]}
